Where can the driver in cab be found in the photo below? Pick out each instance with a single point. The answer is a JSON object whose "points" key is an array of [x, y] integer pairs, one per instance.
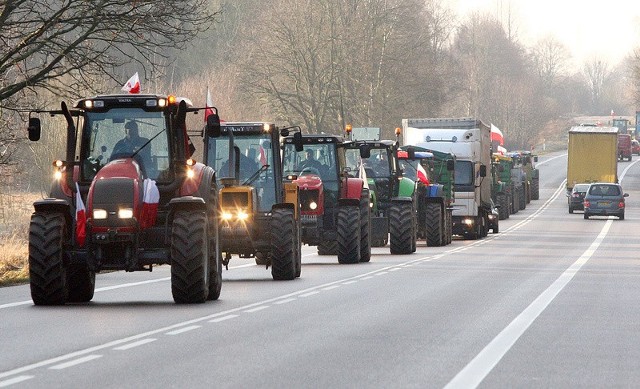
{"points": [[311, 163]]}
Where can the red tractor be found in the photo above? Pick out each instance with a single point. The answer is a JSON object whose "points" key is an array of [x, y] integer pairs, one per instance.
{"points": [[147, 203], [334, 203]]}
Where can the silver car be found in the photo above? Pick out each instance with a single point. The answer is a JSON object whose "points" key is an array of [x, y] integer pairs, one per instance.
{"points": [[604, 199]]}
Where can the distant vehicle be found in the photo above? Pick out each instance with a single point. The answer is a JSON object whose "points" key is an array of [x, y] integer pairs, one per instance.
{"points": [[635, 147], [625, 147], [604, 199], [592, 155], [576, 197]]}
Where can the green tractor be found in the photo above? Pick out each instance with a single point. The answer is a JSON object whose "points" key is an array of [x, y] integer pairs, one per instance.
{"points": [[502, 190], [434, 174], [533, 174], [394, 220]]}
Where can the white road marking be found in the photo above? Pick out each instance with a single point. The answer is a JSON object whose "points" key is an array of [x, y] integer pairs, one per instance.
{"points": [[285, 301], [256, 309], [349, 282], [15, 380], [135, 344], [475, 372], [183, 330], [75, 362], [309, 294], [381, 273], [331, 287], [223, 318]]}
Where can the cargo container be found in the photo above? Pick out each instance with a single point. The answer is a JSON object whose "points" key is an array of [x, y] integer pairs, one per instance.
{"points": [[593, 153]]}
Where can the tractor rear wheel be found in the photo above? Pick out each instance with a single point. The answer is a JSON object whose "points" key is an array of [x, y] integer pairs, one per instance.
{"points": [[401, 228], [365, 230], [190, 257], [47, 273], [348, 233], [434, 224], [535, 189], [283, 244]]}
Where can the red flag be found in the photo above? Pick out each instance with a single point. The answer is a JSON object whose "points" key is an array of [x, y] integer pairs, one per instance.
{"points": [[422, 175], [132, 85], [81, 219]]}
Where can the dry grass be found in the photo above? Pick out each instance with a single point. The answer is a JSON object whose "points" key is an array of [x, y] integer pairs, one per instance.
{"points": [[15, 212]]}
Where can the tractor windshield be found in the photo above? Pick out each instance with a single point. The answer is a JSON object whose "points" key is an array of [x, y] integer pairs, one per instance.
{"points": [[126, 133], [319, 159], [255, 159]]}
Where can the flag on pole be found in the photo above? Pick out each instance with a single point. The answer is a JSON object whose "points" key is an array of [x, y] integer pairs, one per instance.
{"points": [[150, 200], [132, 85], [422, 175], [496, 135], [81, 219], [208, 106]]}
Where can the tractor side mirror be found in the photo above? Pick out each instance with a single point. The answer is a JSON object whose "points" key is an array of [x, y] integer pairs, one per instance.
{"points": [[451, 165], [297, 141], [213, 125], [365, 151], [483, 170], [34, 129]]}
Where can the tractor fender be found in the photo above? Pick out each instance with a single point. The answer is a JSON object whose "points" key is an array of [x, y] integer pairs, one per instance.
{"points": [[401, 199], [347, 201], [207, 178], [406, 187], [351, 188], [54, 205], [185, 202], [190, 186]]}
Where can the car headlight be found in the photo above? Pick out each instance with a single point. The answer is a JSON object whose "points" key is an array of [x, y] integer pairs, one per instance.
{"points": [[313, 205], [125, 213], [99, 214]]}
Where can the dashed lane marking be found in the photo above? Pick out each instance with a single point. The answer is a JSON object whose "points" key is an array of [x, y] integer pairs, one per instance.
{"points": [[135, 344], [183, 330], [75, 362]]}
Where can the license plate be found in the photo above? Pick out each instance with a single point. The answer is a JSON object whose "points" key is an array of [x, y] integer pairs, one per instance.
{"points": [[604, 203]]}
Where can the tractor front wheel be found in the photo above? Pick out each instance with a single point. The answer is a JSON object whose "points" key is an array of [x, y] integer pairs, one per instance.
{"points": [[401, 228], [283, 245], [47, 273], [190, 257], [348, 233]]}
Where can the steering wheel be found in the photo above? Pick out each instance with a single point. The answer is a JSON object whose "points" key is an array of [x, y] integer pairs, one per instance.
{"points": [[310, 170]]}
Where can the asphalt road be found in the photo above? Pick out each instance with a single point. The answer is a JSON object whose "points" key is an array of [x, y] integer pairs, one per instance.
{"points": [[550, 301]]}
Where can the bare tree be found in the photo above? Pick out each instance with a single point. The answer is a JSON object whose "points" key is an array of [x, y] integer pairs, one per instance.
{"points": [[550, 60], [596, 73]]}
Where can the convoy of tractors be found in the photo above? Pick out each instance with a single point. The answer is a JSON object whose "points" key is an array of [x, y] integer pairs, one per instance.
{"points": [[128, 194]]}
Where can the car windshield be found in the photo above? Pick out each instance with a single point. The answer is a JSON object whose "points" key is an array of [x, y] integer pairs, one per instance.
{"points": [[582, 188], [604, 190], [122, 132]]}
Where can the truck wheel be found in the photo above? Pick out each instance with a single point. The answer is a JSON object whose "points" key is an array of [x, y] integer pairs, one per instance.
{"points": [[365, 230], [570, 209], [401, 228], [283, 244], [81, 283], [586, 216], [434, 224], [535, 189], [47, 273], [328, 247], [348, 233], [189, 257]]}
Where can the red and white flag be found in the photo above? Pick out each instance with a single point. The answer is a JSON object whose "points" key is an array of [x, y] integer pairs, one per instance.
{"points": [[132, 85], [150, 200], [496, 135], [81, 219], [422, 175]]}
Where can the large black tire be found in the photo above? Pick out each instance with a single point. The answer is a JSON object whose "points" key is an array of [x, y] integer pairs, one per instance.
{"points": [[365, 229], [503, 209], [328, 247], [535, 189], [190, 257], [434, 224], [401, 228], [81, 283], [298, 246], [47, 273], [283, 244], [522, 196], [348, 233], [215, 254]]}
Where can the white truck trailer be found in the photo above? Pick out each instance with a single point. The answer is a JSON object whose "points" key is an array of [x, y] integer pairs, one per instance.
{"points": [[469, 139]]}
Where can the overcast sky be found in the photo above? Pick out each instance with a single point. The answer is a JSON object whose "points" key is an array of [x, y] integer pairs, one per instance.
{"points": [[609, 29]]}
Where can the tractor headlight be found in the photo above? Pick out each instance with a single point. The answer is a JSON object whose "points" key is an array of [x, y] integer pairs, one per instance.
{"points": [[190, 173], [226, 215], [125, 213], [242, 215], [99, 214], [313, 205], [468, 222]]}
